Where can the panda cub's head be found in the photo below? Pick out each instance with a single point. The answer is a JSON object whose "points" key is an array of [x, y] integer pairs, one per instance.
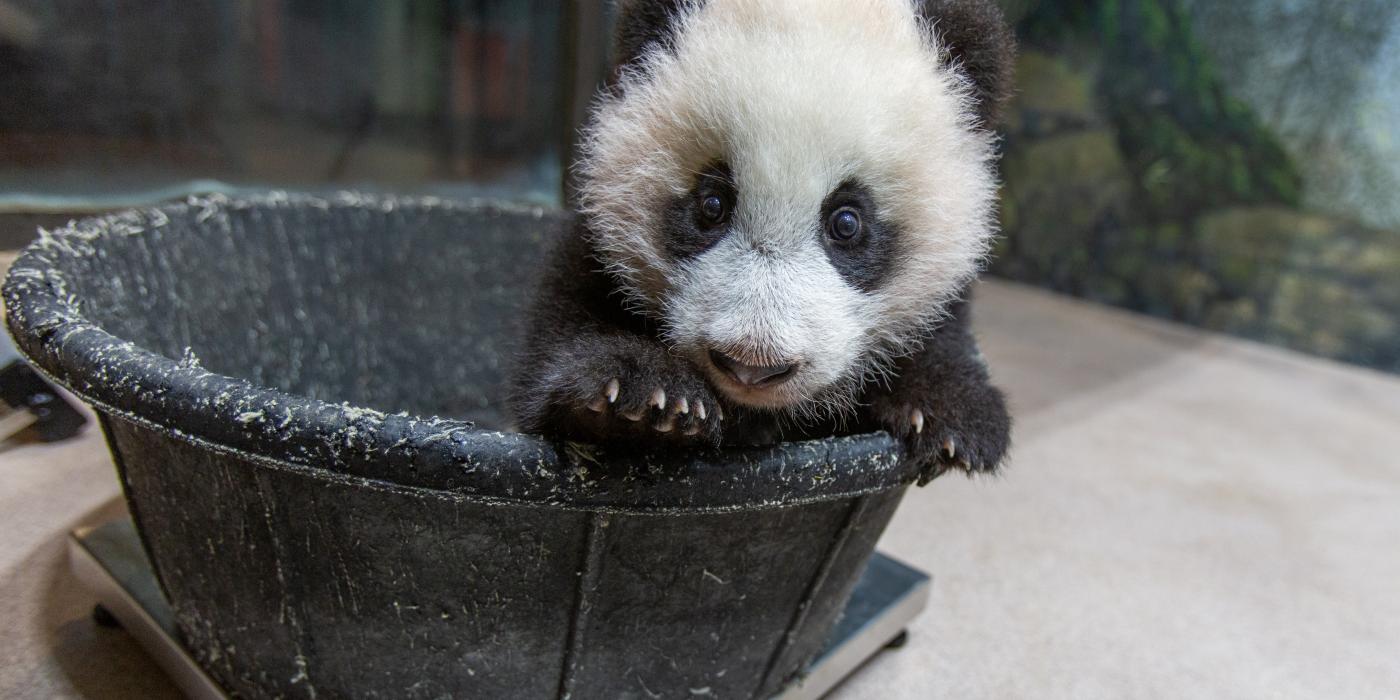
{"points": [[793, 189]]}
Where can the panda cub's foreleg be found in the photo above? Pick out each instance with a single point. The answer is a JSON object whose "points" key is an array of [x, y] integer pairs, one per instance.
{"points": [[595, 372], [943, 405]]}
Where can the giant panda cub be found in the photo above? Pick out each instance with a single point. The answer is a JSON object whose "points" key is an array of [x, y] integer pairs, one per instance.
{"points": [[782, 204]]}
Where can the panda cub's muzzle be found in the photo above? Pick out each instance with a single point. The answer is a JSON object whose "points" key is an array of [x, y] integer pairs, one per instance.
{"points": [[751, 375]]}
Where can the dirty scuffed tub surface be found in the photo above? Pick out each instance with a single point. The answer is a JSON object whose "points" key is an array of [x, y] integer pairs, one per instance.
{"points": [[303, 400]]}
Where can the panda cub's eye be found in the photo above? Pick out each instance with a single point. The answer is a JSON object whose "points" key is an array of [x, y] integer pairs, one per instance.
{"points": [[712, 209], [712, 201], [844, 224], [713, 206]]}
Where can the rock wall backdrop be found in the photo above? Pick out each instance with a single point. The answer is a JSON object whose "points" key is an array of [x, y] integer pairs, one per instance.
{"points": [[1232, 165]]}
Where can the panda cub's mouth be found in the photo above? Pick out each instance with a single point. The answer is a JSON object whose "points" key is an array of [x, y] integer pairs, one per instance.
{"points": [[749, 375], [746, 382]]}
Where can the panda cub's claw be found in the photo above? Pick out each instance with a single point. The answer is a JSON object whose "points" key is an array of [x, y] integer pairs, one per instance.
{"points": [[667, 416], [968, 431]]}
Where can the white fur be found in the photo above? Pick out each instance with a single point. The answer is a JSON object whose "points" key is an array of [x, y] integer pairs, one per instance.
{"points": [[797, 96]]}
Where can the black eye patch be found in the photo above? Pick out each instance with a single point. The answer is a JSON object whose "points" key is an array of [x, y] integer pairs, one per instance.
{"points": [[859, 244], [700, 218]]}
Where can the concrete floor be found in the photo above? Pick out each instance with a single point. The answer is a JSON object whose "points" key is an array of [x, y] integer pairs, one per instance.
{"points": [[1185, 516]]}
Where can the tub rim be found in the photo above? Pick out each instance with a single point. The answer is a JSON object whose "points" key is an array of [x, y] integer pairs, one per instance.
{"points": [[440, 456]]}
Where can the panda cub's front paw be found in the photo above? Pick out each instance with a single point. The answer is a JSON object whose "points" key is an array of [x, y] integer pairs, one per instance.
{"points": [[685, 411], [634, 400], [968, 429]]}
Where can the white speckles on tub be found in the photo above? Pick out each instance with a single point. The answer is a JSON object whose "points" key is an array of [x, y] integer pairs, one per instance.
{"points": [[302, 396]]}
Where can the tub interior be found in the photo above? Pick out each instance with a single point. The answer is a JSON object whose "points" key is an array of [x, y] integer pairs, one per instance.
{"points": [[396, 308]]}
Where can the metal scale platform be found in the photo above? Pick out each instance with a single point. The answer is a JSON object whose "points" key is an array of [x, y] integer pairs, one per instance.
{"points": [[109, 561]]}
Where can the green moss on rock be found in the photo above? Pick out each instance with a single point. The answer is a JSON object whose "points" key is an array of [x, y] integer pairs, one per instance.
{"points": [[1055, 190], [1133, 177], [1052, 96]]}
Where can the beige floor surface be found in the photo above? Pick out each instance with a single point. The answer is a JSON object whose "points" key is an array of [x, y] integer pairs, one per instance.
{"points": [[1185, 516]]}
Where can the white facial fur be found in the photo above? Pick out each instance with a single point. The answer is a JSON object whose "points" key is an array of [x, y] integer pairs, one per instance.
{"points": [[797, 96]]}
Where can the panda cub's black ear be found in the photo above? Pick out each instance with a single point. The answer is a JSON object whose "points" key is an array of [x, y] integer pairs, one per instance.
{"points": [[643, 25], [978, 39]]}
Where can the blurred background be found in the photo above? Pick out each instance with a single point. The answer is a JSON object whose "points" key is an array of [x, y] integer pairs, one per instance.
{"points": [[112, 103], [1231, 165]]}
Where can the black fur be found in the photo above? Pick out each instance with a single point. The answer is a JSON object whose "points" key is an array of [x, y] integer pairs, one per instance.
{"points": [[979, 40], [581, 335], [687, 234], [641, 26], [868, 259], [948, 382]]}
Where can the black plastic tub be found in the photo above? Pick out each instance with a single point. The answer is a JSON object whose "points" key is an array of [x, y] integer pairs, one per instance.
{"points": [[302, 399]]}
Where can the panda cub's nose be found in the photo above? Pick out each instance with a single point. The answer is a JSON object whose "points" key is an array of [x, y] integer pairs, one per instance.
{"points": [[752, 375]]}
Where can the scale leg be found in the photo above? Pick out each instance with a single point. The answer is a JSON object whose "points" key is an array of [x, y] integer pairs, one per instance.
{"points": [[104, 617]]}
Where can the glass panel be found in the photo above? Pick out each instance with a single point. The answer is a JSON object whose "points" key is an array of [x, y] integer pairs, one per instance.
{"points": [[129, 101]]}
